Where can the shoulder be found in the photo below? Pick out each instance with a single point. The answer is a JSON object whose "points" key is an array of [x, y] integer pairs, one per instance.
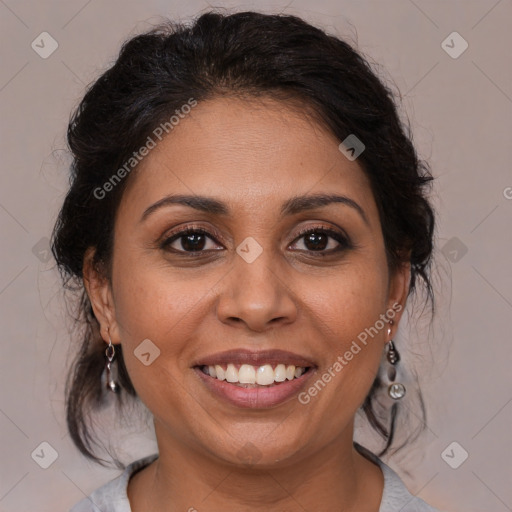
{"points": [[395, 497], [113, 495]]}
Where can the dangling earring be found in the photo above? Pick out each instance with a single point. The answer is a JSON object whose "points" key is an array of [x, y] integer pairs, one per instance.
{"points": [[110, 352], [396, 390]]}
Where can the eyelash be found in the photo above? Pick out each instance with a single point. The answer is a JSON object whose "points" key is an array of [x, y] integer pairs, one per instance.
{"points": [[343, 240]]}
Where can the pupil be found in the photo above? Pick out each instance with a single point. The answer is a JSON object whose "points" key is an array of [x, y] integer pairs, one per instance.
{"points": [[188, 243], [317, 240]]}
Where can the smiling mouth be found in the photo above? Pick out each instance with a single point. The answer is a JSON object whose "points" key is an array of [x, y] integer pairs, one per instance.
{"points": [[251, 376]]}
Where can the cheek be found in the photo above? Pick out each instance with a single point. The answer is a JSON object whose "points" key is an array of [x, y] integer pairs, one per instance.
{"points": [[346, 312], [151, 304], [348, 302], [152, 299]]}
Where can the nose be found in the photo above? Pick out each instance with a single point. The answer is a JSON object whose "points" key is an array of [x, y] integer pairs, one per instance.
{"points": [[256, 294]]}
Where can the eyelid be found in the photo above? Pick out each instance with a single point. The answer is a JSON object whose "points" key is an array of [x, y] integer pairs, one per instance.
{"points": [[321, 227], [177, 232], [339, 235], [169, 237]]}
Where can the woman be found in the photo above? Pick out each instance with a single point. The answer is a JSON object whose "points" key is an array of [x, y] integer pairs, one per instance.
{"points": [[246, 218]]}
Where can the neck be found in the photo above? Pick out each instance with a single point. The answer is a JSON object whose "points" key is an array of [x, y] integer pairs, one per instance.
{"points": [[336, 478]]}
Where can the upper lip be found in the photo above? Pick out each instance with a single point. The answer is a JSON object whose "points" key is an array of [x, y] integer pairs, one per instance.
{"points": [[255, 358]]}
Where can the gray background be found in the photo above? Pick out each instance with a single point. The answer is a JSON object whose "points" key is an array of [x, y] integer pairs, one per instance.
{"points": [[461, 113]]}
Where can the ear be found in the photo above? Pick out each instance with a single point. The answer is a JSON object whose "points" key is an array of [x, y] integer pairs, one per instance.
{"points": [[99, 291], [398, 291]]}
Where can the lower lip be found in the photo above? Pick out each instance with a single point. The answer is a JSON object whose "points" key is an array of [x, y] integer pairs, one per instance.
{"points": [[259, 397]]}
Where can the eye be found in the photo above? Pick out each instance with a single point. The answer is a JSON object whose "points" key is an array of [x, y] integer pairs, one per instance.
{"points": [[189, 240], [316, 239], [196, 240]]}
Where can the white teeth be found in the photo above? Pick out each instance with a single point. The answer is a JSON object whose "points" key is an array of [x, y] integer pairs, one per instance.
{"points": [[231, 373], [247, 374], [280, 373], [219, 371], [263, 375]]}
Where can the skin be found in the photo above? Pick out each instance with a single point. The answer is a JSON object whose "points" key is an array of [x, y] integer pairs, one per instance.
{"points": [[253, 156]]}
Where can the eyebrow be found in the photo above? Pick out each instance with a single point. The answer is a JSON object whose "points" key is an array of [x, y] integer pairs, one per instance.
{"points": [[292, 206]]}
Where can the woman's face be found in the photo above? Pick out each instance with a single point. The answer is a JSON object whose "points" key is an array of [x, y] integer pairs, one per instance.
{"points": [[251, 282]]}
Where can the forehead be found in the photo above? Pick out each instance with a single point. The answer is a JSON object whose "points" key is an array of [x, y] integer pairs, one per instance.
{"points": [[249, 153]]}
